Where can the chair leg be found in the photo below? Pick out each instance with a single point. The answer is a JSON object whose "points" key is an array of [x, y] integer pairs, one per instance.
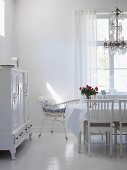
{"points": [[89, 143], [84, 131], [120, 144], [125, 137], [42, 126], [86, 140], [106, 137], [107, 140], [102, 137], [111, 144]]}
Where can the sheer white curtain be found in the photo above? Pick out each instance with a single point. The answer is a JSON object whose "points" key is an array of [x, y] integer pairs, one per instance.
{"points": [[85, 50]]}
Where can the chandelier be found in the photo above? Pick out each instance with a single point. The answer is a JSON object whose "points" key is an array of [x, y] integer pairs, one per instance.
{"points": [[116, 43]]}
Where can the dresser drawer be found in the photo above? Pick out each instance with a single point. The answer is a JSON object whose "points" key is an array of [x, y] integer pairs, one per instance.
{"points": [[29, 127], [20, 134], [17, 138]]}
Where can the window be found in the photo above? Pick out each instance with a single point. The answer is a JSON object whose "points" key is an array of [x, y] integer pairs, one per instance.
{"points": [[111, 69]]}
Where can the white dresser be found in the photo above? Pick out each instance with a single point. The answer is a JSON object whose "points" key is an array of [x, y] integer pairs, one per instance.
{"points": [[15, 125]]}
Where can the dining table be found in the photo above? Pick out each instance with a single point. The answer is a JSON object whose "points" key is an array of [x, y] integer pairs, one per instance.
{"points": [[76, 114]]}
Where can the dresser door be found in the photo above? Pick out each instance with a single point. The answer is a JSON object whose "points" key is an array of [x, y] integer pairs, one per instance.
{"points": [[21, 100], [25, 87], [15, 99]]}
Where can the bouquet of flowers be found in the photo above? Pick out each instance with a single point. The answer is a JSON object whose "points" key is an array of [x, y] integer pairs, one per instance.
{"points": [[88, 91]]}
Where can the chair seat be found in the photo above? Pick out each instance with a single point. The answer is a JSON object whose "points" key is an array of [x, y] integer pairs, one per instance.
{"points": [[100, 124], [93, 124]]}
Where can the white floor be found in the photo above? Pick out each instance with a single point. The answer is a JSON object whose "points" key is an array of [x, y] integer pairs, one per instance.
{"points": [[53, 152]]}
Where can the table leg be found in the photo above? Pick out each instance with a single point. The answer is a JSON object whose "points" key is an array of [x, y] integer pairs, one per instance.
{"points": [[79, 142]]}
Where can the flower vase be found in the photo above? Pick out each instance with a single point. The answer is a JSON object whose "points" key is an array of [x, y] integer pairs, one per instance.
{"points": [[88, 97], [93, 96], [85, 97]]}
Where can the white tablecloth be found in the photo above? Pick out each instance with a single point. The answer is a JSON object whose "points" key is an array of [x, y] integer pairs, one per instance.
{"points": [[75, 114]]}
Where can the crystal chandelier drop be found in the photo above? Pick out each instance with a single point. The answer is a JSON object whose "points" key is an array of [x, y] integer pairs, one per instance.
{"points": [[116, 43]]}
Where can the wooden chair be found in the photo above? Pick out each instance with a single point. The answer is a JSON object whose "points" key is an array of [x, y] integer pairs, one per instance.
{"points": [[99, 120], [122, 124]]}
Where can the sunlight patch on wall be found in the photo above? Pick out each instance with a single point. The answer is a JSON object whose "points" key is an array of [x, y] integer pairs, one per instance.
{"points": [[53, 93], [2, 8]]}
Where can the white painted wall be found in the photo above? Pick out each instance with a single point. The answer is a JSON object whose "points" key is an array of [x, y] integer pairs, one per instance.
{"points": [[44, 43], [6, 31]]}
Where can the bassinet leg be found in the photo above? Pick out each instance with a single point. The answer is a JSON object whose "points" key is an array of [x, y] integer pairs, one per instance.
{"points": [[53, 124], [43, 122], [64, 129]]}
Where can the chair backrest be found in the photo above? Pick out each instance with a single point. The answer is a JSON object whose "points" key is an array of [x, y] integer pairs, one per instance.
{"points": [[123, 111], [46, 102], [100, 110], [115, 97]]}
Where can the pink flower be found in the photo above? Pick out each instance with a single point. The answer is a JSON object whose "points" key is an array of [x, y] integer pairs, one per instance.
{"points": [[88, 90], [80, 88], [96, 88]]}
